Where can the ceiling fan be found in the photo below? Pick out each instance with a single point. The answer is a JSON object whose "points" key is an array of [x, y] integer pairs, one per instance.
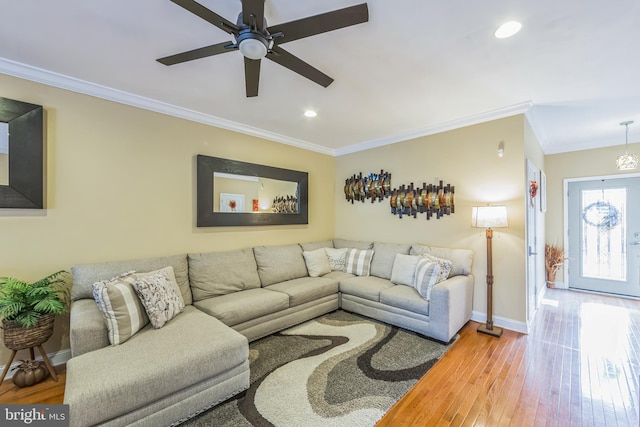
{"points": [[256, 41]]}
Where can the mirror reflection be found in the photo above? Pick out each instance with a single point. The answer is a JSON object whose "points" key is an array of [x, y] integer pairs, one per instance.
{"points": [[251, 194], [4, 153]]}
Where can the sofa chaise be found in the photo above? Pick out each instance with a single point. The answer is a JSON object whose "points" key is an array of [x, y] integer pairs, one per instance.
{"points": [[199, 358]]}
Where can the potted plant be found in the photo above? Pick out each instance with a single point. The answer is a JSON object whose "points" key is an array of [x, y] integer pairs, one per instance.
{"points": [[553, 259], [27, 310]]}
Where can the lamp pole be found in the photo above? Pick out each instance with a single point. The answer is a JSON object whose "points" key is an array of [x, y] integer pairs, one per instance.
{"points": [[488, 327]]}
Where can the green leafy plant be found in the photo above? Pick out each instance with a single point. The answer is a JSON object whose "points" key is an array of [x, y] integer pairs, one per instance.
{"points": [[24, 302]]}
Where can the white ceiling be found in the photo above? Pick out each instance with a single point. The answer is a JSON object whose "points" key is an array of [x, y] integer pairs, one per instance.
{"points": [[417, 67]]}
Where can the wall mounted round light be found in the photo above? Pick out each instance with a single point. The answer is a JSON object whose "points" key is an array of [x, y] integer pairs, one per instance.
{"points": [[310, 113], [508, 29], [501, 149]]}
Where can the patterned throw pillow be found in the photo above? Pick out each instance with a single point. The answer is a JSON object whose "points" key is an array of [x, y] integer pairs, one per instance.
{"points": [[120, 306], [445, 266], [159, 293], [359, 261], [427, 273], [317, 262], [337, 258]]}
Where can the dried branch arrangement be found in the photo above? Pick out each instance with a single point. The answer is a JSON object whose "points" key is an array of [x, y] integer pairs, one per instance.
{"points": [[553, 259]]}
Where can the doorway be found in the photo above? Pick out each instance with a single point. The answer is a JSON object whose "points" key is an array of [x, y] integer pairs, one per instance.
{"points": [[603, 229]]}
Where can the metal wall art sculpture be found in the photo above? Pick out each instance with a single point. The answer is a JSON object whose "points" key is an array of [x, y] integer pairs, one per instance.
{"points": [[431, 199], [373, 186]]}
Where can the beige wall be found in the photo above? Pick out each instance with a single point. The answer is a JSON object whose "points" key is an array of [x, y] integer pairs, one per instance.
{"points": [[576, 164], [121, 185], [466, 158]]}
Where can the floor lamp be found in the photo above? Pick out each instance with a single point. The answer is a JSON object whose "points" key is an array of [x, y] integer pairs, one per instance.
{"points": [[489, 217]]}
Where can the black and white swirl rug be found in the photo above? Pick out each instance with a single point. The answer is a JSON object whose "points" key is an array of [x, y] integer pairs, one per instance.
{"points": [[340, 369]]}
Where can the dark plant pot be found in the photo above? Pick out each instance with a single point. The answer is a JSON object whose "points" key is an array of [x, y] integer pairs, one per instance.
{"points": [[18, 338]]}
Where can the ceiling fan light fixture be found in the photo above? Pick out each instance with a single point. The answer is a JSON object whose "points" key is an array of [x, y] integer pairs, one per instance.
{"points": [[253, 48], [627, 161], [508, 29]]}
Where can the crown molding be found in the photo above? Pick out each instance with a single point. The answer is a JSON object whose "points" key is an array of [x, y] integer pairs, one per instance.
{"points": [[50, 78], [475, 119]]}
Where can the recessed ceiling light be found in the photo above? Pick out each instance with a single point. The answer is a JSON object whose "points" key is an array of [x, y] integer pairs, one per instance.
{"points": [[310, 113], [508, 29]]}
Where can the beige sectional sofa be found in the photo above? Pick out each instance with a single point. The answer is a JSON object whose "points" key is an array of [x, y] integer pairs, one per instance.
{"points": [[200, 357]]}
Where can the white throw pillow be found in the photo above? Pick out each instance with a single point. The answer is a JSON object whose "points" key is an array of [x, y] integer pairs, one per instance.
{"points": [[359, 261], [427, 273], [317, 262], [160, 295], [404, 269], [337, 258], [445, 266]]}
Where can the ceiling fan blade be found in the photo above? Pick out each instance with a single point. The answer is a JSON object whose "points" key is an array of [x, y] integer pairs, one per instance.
{"points": [[322, 23], [208, 15], [251, 76], [295, 64], [255, 8], [202, 52]]}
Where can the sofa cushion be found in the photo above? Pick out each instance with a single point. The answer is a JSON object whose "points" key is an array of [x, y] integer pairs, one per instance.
{"points": [[339, 275], [404, 269], [445, 266], [153, 364], [351, 244], [383, 257], [121, 309], [368, 287], [337, 258], [406, 298], [160, 296], [220, 273], [85, 275], [311, 246], [359, 261], [461, 259], [317, 262], [306, 289], [279, 263], [426, 276], [239, 307]]}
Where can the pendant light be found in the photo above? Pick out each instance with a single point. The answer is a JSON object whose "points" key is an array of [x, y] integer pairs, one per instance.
{"points": [[627, 161]]}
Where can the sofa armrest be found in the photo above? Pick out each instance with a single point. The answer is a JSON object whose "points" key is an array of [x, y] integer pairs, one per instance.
{"points": [[87, 328], [450, 306]]}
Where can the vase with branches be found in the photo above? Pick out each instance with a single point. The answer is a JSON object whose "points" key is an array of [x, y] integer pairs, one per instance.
{"points": [[553, 259]]}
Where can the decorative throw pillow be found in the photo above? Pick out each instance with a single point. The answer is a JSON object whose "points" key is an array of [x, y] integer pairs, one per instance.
{"points": [[317, 262], [120, 306], [427, 273], [404, 269], [337, 258], [445, 266], [359, 261], [160, 296]]}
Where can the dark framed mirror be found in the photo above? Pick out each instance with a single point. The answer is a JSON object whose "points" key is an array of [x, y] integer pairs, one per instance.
{"points": [[21, 155], [234, 193]]}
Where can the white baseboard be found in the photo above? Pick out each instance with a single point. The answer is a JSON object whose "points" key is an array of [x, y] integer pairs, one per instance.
{"points": [[58, 358], [503, 322], [561, 285]]}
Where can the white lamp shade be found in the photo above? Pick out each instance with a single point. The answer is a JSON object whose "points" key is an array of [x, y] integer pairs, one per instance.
{"points": [[489, 217]]}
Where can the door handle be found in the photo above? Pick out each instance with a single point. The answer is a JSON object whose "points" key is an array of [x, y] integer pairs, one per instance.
{"points": [[536, 253]]}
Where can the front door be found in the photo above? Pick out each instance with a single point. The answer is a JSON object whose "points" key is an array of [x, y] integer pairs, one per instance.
{"points": [[604, 235]]}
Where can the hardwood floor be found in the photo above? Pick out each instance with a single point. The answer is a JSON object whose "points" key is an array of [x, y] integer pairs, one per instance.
{"points": [[579, 366]]}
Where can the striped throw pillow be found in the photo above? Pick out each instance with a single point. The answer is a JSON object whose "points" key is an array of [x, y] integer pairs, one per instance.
{"points": [[427, 273], [359, 261], [120, 306]]}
